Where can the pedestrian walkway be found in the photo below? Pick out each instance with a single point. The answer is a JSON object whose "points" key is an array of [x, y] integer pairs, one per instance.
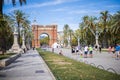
{"points": [[30, 66], [100, 60]]}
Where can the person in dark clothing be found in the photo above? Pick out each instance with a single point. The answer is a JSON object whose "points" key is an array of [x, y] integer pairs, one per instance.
{"points": [[53, 50], [73, 50], [100, 49], [96, 47]]}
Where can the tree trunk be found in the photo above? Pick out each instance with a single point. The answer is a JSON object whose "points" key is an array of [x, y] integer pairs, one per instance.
{"points": [[19, 34], [1, 7]]}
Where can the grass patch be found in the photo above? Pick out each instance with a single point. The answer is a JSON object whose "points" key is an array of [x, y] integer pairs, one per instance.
{"points": [[104, 50], [6, 55], [64, 68]]}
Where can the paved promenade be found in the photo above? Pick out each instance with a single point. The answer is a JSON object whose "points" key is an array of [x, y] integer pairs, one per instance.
{"points": [[30, 66], [99, 59]]}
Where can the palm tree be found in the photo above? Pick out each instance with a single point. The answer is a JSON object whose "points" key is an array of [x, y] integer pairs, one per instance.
{"points": [[77, 35], [115, 28], [70, 33], [26, 30], [89, 22], [10, 21], [66, 33], [13, 2], [105, 17], [20, 19], [82, 28], [28, 37], [5, 34], [90, 28], [66, 29], [4, 25]]}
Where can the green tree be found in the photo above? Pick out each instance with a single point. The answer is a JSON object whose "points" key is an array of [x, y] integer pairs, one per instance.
{"points": [[78, 34], [107, 25], [66, 33], [105, 17], [74, 41], [88, 26], [70, 33], [5, 36], [13, 2], [115, 28], [4, 26], [44, 41], [20, 18], [26, 31]]}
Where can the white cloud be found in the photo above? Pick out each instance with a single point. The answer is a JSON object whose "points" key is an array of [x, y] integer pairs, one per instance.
{"points": [[7, 2], [38, 5], [112, 6], [85, 12], [58, 10], [71, 25]]}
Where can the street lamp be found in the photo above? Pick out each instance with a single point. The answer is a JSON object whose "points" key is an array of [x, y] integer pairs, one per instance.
{"points": [[68, 41], [78, 39], [96, 33], [23, 41], [105, 39], [96, 37], [34, 37]]}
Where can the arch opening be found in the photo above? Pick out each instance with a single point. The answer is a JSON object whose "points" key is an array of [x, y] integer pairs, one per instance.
{"points": [[44, 40]]}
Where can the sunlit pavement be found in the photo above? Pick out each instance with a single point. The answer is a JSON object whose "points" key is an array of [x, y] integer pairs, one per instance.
{"points": [[102, 60], [30, 66]]}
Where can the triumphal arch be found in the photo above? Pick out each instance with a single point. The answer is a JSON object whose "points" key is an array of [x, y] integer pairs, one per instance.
{"points": [[50, 30]]}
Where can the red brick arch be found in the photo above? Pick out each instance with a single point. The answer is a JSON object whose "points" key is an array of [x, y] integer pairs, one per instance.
{"points": [[37, 30]]}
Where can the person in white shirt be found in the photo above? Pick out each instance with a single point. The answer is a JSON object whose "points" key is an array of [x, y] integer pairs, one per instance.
{"points": [[85, 51]]}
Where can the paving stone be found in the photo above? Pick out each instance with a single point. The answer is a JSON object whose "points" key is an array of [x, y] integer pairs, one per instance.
{"points": [[30, 66]]}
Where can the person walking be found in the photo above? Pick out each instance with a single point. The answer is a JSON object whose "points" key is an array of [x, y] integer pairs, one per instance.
{"points": [[100, 48], [73, 49], [77, 50], [85, 51], [90, 51], [117, 51], [96, 47], [113, 51], [109, 49]]}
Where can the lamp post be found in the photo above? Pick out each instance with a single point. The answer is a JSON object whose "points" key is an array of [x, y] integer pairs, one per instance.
{"points": [[34, 38], [96, 33], [34, 44], [68, 42], [23, 36], [28, 40], [78, 39], [23, 41], [105, 39], [96, 37]]}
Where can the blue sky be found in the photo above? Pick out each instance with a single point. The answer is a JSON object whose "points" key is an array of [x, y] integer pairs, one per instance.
{"points": [[63, 12]]}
